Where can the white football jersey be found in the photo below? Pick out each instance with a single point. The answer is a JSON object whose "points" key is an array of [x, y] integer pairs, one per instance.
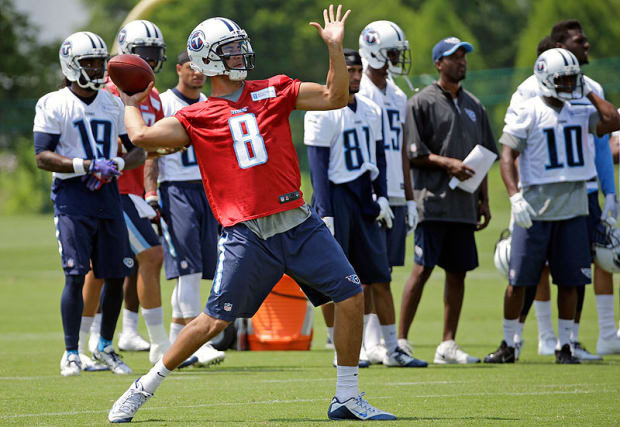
{"points": [[86, 131], [351, 137], [182, 165], [530, 88], [393, 104], [556, 148]]}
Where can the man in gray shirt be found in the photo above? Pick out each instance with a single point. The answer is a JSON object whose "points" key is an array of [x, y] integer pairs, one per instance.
{"points": [[444, 123]]}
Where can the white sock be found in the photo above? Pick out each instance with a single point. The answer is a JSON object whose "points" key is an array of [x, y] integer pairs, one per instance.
{"points": [[510, 326], [175, 328], [389, 335], [543, 316], [154, 320], [84, 332], [330, 333], [346, 382], [95, 328], [372, 332], [519, 331], [130, 322], [606, 323], [154, 377], [565, 327], [574, 334]]}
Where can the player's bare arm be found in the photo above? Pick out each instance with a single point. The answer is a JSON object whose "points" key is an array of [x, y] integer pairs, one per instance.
{"points": [[508, 169], [151, 172], [610, 118], [54, 162], [484, 209], [165, 133], [335, 93], [407, 173], [134, 158]]}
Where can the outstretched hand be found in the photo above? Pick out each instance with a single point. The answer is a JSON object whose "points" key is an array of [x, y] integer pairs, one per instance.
{"points": [[333, 31], [137, 98]]}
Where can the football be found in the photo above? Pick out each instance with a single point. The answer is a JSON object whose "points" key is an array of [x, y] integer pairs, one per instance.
{"points": [[130, 73]]}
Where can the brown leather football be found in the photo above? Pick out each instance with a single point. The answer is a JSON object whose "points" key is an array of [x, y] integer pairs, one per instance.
{"points": [[130, 73]]}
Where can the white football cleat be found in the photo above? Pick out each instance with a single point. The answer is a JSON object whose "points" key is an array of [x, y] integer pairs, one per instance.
{"points": [[70, 364], [581, 353], [518, 348], [547, 345], [376, 354], [130, 341], [208, 355], [157, 351], [449, 352], [93, 342], [356, 408], [608, 346], [128, 404], [406, 346], [109, 357], [89, 365]]}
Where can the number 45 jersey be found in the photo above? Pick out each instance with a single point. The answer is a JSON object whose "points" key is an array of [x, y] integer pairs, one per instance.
{"points": [[553, 144], [244, 149], [87, 131]]}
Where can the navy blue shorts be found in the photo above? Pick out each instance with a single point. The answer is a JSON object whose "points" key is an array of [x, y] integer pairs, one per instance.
{"points": [[140, 230], [565, 244], [249, 267], [450, 245], [102, 240], [397, 236], [189, 228], [361, 237], [595, 223]]}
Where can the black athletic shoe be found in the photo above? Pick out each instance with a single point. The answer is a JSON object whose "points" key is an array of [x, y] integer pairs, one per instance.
{"points": [[503, 354], [565, 356]]}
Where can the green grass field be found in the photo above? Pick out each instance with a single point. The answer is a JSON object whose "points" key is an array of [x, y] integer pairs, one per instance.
{"points": [[294, 388]]}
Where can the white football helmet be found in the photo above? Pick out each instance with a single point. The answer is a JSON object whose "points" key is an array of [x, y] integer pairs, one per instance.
{"points": [[384, 41], [79, 46], [502, 253], [143, 38], [606, 248], [555, 63], [216, 42]]}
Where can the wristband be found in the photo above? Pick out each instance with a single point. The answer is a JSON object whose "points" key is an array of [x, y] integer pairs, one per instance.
{"points": [[120, 163], [151, 196], [78, 166]]}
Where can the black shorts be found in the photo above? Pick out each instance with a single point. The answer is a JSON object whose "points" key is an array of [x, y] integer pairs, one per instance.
{"points": [[450, 245]]}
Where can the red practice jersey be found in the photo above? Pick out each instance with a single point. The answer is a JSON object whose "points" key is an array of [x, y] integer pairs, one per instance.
{"points": [[132, 181], [244, 149]]}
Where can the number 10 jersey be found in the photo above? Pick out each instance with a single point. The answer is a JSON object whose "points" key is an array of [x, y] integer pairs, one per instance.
{"points": [[555, 144], [245, 152]]}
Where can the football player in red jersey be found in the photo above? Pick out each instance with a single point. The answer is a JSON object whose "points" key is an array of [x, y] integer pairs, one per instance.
{"points": [[250, 172]]}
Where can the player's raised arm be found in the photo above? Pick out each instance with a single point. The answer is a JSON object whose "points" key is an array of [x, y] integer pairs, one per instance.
{"points": [[335, 93], [166, 133]]}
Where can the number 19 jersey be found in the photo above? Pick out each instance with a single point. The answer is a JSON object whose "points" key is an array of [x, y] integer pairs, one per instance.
{"points": [[245, 152]]}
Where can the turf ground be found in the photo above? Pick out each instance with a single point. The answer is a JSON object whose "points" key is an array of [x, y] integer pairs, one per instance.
{"points": [[294, 388]]}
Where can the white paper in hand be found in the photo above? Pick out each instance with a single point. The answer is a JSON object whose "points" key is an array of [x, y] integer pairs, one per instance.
{"points": [[480, 160]]}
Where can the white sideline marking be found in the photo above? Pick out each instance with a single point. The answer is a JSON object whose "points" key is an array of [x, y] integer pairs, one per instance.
{"points": [[271, 402]]}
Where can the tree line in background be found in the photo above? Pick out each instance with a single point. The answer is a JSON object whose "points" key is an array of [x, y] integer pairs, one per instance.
{"points": [[504, 33]]}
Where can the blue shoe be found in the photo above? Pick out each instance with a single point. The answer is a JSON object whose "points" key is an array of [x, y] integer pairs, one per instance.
{"points": [[399, 358], [188, 362], [356, 408]]}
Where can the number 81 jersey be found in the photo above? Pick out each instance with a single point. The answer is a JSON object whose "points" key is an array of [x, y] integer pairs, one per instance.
{"points": [[556, 147], [86, 131], [244, 149]]}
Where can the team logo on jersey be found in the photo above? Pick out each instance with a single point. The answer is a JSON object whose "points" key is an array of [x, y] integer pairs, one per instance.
{"points": [[122, 36], [471, 115], [268, 92], [196, 40], [370, 36], [227, 306], [128, 262], [65, 49], [353, 278]]}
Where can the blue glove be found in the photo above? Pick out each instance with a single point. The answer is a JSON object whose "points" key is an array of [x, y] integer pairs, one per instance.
{"points": [[94, 182], [104, 168]]}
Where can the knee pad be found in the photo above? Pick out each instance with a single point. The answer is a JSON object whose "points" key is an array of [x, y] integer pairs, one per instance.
{"points": [[188, 295]]}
